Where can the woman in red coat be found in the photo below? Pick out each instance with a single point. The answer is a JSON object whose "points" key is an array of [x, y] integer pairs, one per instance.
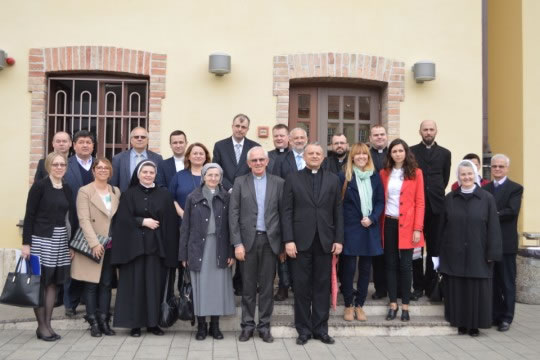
{"points": [[402, 222]]}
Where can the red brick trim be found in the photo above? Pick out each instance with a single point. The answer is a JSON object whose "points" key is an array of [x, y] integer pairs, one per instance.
{"points": [[91, 58], [390, 73]]}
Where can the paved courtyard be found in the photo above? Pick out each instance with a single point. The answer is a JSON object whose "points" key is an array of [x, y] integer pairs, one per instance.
{"points": [[521, 342]]}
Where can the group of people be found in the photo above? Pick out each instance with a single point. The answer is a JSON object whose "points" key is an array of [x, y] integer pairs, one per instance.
{"points": [[290, 211]]}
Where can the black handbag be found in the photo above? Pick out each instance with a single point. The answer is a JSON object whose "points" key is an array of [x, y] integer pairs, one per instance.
{"points": [[168, 313], [437, 294], [22, 289], [185, 302]]}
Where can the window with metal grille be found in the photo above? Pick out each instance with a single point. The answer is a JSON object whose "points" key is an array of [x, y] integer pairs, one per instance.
{"points": [[109, 107]]}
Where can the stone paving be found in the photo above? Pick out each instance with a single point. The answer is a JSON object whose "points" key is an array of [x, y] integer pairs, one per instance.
{"points": [[521, 342]]}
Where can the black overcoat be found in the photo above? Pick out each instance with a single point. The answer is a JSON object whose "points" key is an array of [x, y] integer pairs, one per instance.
{"points": [[471, 235], [194, 228]]}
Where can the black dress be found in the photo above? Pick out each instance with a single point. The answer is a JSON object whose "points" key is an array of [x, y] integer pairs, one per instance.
{"points": [[142, 254], [471, 242]]}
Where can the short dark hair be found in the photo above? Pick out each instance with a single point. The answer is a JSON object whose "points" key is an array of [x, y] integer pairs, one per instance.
{"points": [[84, 133], [471, 156], [176, 133], [280, 127], [241, 116]]}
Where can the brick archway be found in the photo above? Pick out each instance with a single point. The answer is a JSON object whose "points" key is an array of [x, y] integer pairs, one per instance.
{"points": [[388, 73], [43, 61]]}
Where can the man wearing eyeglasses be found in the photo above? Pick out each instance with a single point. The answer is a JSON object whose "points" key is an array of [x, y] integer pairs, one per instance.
{"points": [[255, 228], [124, 163], [508, 196], [337, 156]]}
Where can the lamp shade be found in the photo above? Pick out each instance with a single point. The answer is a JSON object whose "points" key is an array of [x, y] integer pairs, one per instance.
{"points": [[219, 63], [424, 71]]}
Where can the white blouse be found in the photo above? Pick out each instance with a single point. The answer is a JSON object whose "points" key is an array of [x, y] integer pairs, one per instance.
{"points": [[394, 190]]}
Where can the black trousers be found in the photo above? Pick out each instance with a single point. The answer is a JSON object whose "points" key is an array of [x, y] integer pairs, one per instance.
{"points": [[98, 295], [424, 280], [379, 275], [504, 288], [395, 260], [259, 268], [311, 284]]}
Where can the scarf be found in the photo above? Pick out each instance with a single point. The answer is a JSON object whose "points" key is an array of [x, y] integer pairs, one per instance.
{"points": [[363, 182]]}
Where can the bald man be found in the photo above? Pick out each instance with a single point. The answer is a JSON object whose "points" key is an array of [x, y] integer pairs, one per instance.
{"points": [[61, 143], [435, 162]]}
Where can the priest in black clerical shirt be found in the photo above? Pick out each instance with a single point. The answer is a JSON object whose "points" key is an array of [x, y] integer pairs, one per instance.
{"points": [[312, 232]]}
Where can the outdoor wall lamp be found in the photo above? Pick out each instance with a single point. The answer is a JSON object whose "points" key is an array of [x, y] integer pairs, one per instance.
{"points": [[219, 63], [5, 60], [424, 71]]}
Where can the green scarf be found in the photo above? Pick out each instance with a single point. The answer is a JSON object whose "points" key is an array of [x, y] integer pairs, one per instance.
{"points": [[363, 182]]}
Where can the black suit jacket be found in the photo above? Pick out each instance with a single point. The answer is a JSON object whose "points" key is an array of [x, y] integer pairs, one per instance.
{"points": [[379, 158], [41, 173], [435, 164], [508, 198], [166, 171], [224, 155], [332, 164], [287, 165], [303, 215], [276, 157]]}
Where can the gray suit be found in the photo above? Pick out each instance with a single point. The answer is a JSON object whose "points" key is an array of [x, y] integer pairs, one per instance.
{"points": [[121, 171], [259, 267]]}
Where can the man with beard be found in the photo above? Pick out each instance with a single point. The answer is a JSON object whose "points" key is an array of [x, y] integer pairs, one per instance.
{"points": [[337, 157], [435, 162]]}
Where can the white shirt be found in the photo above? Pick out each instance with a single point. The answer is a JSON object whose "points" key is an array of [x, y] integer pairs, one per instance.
{"points": [[241, 143], [179, 163], [86, 164], [500, 182], [394, 191]]}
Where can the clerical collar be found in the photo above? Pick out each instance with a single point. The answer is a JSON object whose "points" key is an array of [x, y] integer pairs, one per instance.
{"points": [[428, 146], [259, 177], [280, 150], [311, 171], [380, 151]]}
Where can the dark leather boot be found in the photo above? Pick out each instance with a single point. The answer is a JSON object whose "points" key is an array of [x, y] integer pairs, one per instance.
{"points": [[103, 322], [94, 327], [214, 328], [202, 330], [281, 294]]}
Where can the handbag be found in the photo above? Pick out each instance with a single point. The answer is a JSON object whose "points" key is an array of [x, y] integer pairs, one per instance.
{"points": [[80, 245], [168, 313], [437, 294], [22, 289], [185, 302]]}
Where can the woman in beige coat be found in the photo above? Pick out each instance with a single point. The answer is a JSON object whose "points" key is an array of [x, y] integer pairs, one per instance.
{"points": [[97, 203]]}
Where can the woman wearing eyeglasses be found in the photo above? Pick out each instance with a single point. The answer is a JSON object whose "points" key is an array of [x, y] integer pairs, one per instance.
{"points": [[97, 203], [45, 234]]}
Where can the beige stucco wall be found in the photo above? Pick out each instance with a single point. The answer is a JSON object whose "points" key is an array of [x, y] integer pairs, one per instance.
{"points": [[531, 111], [252, 32]]}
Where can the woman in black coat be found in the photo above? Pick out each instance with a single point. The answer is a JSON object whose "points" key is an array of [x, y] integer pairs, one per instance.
{"points": [[46, 234], [145, 244], [470, 243], [206, 251]]}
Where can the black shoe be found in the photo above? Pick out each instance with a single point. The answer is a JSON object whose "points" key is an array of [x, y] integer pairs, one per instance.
{"points": [[266, 336], [214, 328], [71, 312], [302, 339], [202, 329], [245, 335], [281, 294], [405, 315], [377, 296], [94, 327], [503, 326], [135, 332], [45, 338], [156, 330], [56, 336], [461, 330], [392, 314], [474, 332], [325, 338], [104, 327]]}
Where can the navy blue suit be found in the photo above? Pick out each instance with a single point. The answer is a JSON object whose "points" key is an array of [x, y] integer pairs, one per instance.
{"points": [[166, 171]]}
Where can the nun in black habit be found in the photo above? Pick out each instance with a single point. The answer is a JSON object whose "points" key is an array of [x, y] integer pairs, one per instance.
{"points": [[145, 233], [468, 248]]}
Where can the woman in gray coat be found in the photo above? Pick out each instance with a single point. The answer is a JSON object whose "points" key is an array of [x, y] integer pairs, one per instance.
{"points": [[206, 251]]}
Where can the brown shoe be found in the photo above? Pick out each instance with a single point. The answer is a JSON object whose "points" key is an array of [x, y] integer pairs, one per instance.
{"points": [[360, 314], [348, 313], [281, 294]]}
